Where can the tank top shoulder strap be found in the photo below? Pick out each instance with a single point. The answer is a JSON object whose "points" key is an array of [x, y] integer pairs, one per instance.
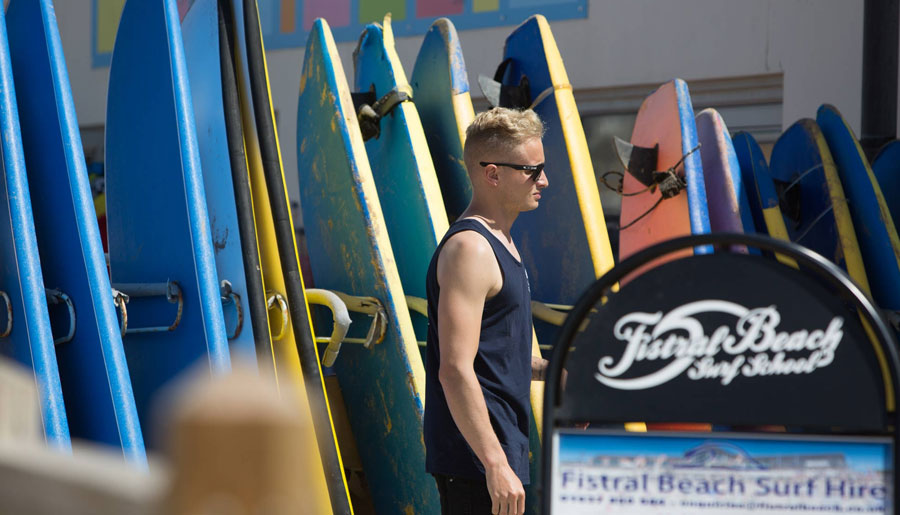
{"points": [[503, 255]]}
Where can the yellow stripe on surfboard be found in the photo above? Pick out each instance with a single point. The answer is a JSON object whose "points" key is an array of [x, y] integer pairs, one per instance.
{"points": [[579, 158], [775, 227], [285, 351], [852, 255], [846, 233], [464, 113], [434, 201], [895, 245], [380, 234]]}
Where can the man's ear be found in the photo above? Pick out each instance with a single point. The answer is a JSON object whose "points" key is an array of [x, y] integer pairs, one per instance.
{"points": [[492, 175]]}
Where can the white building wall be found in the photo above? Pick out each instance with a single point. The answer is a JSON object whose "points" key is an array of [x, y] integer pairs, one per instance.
{"points": [[816, 44]]}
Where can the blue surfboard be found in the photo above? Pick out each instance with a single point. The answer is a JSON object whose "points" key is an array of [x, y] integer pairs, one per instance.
{"points": [[568, 231], [160, 243], [26, 335], [200, 32], [94, 374], [812, 199], [877, 235], [753, 164], [350, 251], [886, 168]]}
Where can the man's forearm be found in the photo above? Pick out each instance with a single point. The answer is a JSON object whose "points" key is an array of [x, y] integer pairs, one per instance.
{"points": [[467, 406]]}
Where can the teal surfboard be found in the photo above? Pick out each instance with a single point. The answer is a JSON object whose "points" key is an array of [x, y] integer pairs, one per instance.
{"points": [[95, 381], [568, 230], [886, 168], [200, 32], [876, 233], [350, 251], [160, 244], [415, 216], [812, 199], [25, 335], [441, 94]]}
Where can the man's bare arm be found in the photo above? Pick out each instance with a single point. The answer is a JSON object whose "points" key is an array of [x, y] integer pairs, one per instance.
{"points": [[466, 279]]}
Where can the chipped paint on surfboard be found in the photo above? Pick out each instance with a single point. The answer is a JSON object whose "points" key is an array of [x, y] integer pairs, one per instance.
{"points": [[350, 251], [405, 178]]}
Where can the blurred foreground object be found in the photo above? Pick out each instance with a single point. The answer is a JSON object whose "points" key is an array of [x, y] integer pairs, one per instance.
{"points": [[237, 447], [20, 416]]}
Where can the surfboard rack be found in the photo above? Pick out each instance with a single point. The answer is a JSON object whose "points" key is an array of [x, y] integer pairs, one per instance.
{"points": [[340, 305], [123, 292], [370, 111], [55, 297], [551, 313], [271, 299], [229, 297]]}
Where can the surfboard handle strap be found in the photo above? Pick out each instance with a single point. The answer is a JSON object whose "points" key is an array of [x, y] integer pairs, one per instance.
{"points": [[123, 292], [54, 297], [340, 305], [640, 163], [370, 111], [271, 299], [229, 297], [9, 315]]}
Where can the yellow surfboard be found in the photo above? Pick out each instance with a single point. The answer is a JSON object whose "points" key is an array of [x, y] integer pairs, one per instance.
{"points": [[285, 340]]}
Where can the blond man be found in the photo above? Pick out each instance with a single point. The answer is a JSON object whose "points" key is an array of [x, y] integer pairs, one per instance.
{"points": [[479, 365]]}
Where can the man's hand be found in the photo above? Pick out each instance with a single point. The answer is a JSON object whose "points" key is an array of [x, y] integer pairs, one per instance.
{"points": [[507, 492], [538, 368]]}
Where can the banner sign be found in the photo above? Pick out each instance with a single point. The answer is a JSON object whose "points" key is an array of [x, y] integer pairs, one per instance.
{"points": [[723, 336], [651, 473]]}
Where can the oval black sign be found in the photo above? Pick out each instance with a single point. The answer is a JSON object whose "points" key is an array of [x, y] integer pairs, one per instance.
{"points": [[727, 339]]}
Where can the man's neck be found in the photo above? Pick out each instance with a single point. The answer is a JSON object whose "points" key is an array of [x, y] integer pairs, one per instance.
{"points": [[493, 215]]}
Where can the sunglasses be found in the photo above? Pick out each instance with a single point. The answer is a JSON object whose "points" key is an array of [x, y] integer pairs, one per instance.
{"points": [[535, 170]]}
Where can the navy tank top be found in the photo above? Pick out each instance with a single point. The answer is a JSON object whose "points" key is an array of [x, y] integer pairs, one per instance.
{"points": [[502, 365]]}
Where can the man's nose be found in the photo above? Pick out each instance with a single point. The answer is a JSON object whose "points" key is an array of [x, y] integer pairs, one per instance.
{"points": [[543, 181]]}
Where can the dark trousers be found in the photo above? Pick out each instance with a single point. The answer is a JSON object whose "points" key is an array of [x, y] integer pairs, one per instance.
{"points": [[463, 496]]}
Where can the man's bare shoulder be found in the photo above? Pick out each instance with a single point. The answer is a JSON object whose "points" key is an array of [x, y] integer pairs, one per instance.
{"points": [[466, 245], [467, 255]]}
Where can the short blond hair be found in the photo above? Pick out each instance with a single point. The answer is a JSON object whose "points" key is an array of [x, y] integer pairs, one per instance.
{"points": [[500, 128]]}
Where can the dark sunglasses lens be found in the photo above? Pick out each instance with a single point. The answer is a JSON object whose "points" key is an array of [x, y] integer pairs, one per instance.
{"points": [[536, 173]]}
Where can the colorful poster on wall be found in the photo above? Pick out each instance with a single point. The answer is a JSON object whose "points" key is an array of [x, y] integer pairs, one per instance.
{"points": [[286, 23], [613, 472]]}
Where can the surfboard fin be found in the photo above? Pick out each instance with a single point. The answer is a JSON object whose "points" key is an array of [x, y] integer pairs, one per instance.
{"points": [[639, 162], [505, 95], [370, 111]]}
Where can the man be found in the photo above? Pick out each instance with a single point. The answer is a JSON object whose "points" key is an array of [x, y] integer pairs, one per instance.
{"points": [[479, 365]]}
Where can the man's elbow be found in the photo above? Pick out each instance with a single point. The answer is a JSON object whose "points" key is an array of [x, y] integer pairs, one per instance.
{"points": [[451, 374]]}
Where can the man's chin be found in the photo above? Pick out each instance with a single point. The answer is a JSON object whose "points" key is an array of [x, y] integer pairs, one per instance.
{"points": [[531, 206]]}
